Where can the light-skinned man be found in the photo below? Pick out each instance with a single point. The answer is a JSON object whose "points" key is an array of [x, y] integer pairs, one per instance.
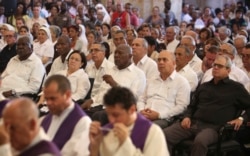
{"points": [[21, 131], [141, 59], [97, 69], [210, 109], [66, 124], [183, 68], [130, 133], [166, 95], [9, 50]]}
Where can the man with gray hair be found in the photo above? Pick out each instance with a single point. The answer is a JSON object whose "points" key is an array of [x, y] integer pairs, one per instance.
{"points": [[236, 73], [224, 34], [119, 37], [208, 99], [240, 42], [141, 59], [194, 61], [183, 68], [170, 39]]}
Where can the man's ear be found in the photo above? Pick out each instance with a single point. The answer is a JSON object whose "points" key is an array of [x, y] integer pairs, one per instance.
{"points": [[132, 109]]}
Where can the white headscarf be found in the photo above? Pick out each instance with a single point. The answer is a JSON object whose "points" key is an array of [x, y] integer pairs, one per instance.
{"points": [[47, 31], [83, 38], [106, 18]]}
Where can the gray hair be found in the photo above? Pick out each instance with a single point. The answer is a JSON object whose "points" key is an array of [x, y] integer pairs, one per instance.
{"points": [[55, 29], [234, 51], [228, 60], [190, 38], [224, 30], [144, 43], [242, 38], [187, 50]]}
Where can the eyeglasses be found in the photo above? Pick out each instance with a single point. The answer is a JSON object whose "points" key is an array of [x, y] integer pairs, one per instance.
{"points": [[219, 66], [9, 36], [95, 50]]}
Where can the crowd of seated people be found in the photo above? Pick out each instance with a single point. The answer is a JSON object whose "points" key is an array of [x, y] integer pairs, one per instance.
{"points": [[112, 83]]}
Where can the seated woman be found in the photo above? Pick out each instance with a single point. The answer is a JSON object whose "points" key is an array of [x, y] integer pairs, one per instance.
{"points": [[44, 47], [78, 78]]}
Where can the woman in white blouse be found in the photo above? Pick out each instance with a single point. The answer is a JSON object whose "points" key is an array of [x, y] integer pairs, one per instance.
{"points": [[79, 80], [44, 47]]}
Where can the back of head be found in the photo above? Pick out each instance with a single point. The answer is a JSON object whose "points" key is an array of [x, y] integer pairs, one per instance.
{"points": [[20, 116], [62, 82], [119, 96], [22, 108]]}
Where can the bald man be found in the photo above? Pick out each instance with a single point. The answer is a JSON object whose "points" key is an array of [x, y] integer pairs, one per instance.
{"points": [[166, 94], [22, 130]]}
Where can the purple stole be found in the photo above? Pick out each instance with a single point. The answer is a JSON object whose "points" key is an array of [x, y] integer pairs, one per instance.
{"points": [[41, 148], [66, 129], [139, 132], [2, 105]]}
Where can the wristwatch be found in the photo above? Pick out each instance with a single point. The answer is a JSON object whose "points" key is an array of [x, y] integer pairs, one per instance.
{"points": [[13, 92], [241, 118]]}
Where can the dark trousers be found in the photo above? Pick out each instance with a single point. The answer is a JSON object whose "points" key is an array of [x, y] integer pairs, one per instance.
{"points": [[204, 134], [98, 114]]}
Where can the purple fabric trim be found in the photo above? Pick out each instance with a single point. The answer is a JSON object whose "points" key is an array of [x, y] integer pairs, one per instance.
{"points": [[2, 105], [66, 129], [139, 132], [42, 147]]}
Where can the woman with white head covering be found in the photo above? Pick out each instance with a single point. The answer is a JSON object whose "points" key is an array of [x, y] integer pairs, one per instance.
{"points": [[44, 47], [106, 18], [3, 29], [83, 38]]}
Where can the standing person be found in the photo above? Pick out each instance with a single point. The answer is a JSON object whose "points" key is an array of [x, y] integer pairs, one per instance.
{"points": [[24, 133], [36, 17], [63, 19], [120, 17], [130, 133], [66, 124]]}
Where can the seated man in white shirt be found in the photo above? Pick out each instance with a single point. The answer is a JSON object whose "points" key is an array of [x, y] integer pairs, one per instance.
{"points": [[171, 41], [141, 59], [66, 124], [21, 131], [166, 95], [194, 61], [97, 69], [124, 73], [24, 72], [128, 133], [182, 66]]}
